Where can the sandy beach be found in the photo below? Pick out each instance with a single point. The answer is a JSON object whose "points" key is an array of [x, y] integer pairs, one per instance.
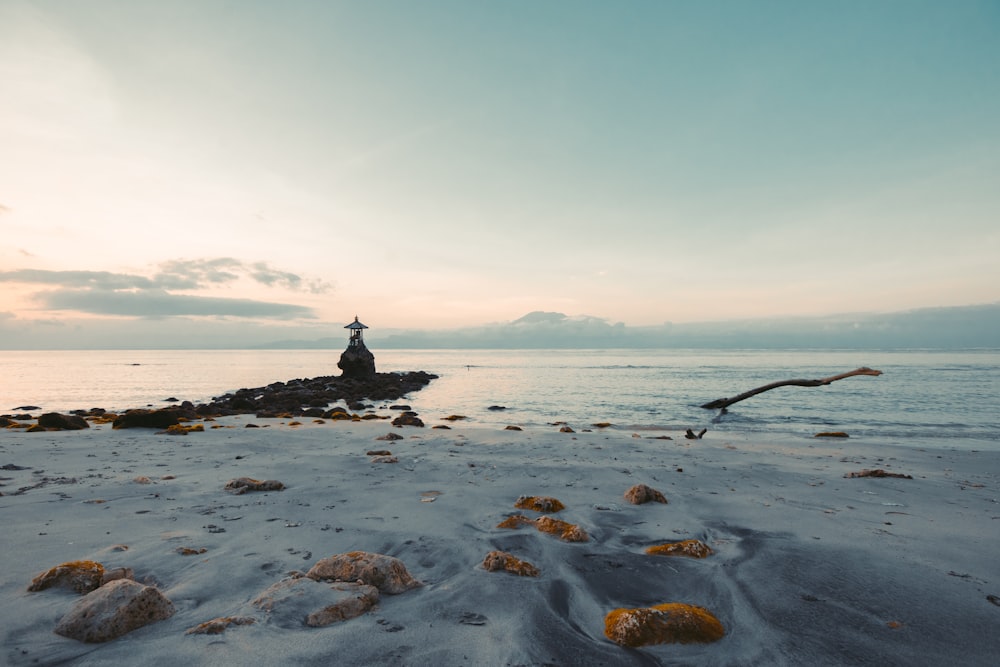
{"points": [[807, 566]]}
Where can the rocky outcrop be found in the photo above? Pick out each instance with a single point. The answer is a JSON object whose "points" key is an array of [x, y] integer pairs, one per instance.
{"points": [[113, 610], [386, 573], [543, 504], [357, 362]]}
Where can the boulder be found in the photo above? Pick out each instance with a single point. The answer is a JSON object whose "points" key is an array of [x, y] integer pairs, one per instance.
{"points": [[670, 623], [80, 576], [640, 493], [544, 504], [501, 561], [408, 418], [689, 548], [386, 573], [161, 419], [113, 610], [217, 626], [294, 602], [242, 485], [62, 422]]}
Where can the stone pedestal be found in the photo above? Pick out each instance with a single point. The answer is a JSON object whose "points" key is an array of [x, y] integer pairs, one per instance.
{"points": [[357, 362]]}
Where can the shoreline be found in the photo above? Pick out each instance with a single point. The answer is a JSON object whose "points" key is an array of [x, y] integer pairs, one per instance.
{"points": [[808, 565]]}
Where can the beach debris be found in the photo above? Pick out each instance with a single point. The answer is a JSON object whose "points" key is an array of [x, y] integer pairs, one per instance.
{"points": [[241, 485], [688, 548], [113, 610], [670, 623], [80, 576], [723, 403], [386, 573], [512, 427], [691, 435], [408, 418], [61, 422], [501, 561], [831, 434], [217, 626], [142, 479], [877, 472], [390, 436], [303, 600], [993, 599], [544, 504], [640, 493]]}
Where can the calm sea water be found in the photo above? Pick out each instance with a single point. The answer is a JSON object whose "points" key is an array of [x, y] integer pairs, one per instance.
{"points": [[924, 398]]}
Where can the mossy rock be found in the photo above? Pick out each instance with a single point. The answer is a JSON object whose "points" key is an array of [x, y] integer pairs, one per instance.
{"points": [[670, 623], [688, 548]]}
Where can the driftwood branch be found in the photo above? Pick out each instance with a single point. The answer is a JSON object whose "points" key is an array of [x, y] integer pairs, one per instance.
{"points": [[723, 403]]}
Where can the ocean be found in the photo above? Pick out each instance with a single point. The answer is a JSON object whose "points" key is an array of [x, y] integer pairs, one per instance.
{"points": [[925, 398]]}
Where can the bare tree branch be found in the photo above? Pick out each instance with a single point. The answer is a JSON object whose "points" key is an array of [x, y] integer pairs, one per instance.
{"points": [[723, 403]]}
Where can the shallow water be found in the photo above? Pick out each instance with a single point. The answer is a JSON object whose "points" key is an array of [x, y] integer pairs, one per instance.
{"points": [[924, 398]]}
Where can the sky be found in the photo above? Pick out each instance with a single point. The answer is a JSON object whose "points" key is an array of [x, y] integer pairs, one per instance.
{"points": [[219, 170]]}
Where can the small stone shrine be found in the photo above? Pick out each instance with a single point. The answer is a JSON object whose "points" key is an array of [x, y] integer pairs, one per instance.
{"points": [[357, 361]]}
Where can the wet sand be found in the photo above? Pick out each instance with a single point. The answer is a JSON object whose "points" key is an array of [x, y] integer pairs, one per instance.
{"points": [[809, 567]]}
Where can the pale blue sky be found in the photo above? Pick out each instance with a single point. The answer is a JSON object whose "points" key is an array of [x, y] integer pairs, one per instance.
{"points": [[439, 164]]}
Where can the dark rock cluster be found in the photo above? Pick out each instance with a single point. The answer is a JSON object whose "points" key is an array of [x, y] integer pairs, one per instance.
{"points": [[305, 398]]}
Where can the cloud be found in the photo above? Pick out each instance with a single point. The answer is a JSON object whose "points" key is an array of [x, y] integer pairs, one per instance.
{"points": [[129, 294], [101, 280], [158, 303]]}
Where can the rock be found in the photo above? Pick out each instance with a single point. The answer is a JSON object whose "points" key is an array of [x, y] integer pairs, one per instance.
{"points": [[497, 561], [567, 532], [114, 610], [566, 429], [497, 408], [878, 472], [81, 576], [161, 419], [357, 362], [188, 551], [671, 623], [117, 573], [515, 521], [241, 485], [378, 452], [390, 436], [218, 625], [28, 408], [454, 418], [408, 418], [831, 434], [640, 493], [543, 504], [386, 573], [689, 548], [62, 422], [294, 602], [512, 427], [384, 459]]}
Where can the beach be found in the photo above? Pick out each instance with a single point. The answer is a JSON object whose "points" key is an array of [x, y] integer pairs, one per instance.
{"points": [[808, 565]]}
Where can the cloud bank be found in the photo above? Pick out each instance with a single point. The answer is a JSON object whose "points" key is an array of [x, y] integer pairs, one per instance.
{"points": [[135, 295]]}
